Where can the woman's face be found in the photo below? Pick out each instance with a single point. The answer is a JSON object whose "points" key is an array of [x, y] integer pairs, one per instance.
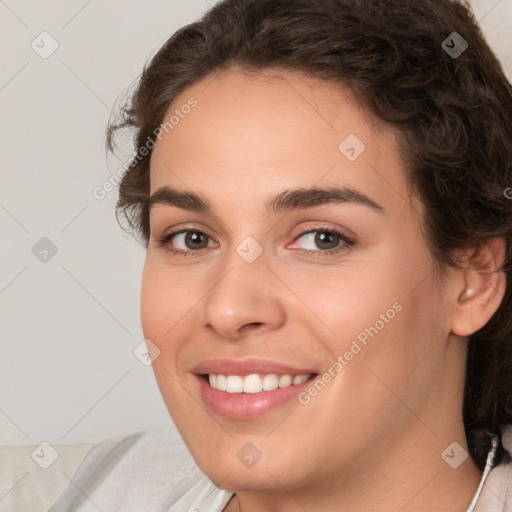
{"points": [[301, 255]]}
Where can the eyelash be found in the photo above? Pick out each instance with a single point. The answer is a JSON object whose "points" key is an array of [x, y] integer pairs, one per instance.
{"points": [[347, 242]]}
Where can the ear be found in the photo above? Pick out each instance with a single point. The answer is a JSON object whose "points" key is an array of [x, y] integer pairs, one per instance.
{"points": [[481, 288]]}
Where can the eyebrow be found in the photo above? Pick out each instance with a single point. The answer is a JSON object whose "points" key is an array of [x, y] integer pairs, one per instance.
{"points": [[288, 200]]}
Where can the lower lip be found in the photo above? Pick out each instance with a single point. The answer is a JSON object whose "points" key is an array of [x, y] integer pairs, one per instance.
{"points": [[247, 406]]}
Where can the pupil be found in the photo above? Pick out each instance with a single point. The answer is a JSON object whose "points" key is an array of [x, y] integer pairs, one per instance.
{"points": [[326, 240], [195, 240]]}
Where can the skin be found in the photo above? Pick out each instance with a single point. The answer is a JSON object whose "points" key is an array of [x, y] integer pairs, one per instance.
{"points": [[372, 438]]}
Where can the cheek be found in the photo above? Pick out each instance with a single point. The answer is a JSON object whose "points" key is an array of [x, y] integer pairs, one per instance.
{"points": [[167, 296], [378, 315], [153, 297], [163, 305], [401, 357], [339, 302]]}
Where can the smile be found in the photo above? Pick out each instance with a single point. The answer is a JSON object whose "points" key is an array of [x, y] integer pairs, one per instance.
{"points": [[254, 382], [250, 388]]}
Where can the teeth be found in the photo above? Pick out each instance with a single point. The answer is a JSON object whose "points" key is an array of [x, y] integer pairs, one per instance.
{"points": [[234, 384], [254, 383], [299, 379], [221, 382], [270, 382], [285, 381]]}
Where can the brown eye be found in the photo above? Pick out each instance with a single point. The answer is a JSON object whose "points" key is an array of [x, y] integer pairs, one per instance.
{"points": [[326, 240], [195, 240], [186, 241], [322, 240]]}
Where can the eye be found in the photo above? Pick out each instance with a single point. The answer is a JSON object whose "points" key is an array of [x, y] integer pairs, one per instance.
{"points": [[322, 241], [186, 241]]}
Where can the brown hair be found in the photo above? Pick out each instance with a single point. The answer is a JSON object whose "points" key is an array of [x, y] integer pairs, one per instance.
{"points": [[454, 113]]}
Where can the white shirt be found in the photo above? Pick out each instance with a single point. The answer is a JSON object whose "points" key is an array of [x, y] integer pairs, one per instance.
{"points": [[153, 471]]}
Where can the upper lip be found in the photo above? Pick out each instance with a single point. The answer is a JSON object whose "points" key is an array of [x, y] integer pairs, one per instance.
{"points": [[225, 366]]}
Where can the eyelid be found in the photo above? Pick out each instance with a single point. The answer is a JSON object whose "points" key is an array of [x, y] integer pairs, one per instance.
{"points": [[164, 240], [311, 226], [347, 241], [180, 228], [174, 235]]}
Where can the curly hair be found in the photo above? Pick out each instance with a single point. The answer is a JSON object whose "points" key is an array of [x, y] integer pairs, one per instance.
{"points": [[453, 113]]}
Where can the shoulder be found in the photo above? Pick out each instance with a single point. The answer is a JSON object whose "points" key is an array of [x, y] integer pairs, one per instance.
{"points": [[496, 494], [148, 470]]}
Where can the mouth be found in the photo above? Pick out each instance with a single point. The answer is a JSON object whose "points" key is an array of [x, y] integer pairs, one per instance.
{"points": [[254, 382], [249, 389]]}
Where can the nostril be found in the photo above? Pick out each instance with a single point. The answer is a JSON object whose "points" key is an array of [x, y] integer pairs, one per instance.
{"points": [[253, 325]]}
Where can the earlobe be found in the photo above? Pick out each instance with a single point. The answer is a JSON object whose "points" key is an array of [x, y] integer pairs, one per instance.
{"points": [[483, 287]]}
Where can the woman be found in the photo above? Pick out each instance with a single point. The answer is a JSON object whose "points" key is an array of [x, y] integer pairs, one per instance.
{"points": [[321, 186]]}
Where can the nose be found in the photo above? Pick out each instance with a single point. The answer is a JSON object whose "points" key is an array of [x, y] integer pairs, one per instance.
{"points": [[245, 299]]}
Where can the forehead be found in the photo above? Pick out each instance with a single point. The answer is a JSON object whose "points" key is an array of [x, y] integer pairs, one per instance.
{"points": [[249, 132]]}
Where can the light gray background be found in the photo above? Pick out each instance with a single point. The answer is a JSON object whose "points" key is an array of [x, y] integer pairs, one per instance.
{"points": [[69, 325]]}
